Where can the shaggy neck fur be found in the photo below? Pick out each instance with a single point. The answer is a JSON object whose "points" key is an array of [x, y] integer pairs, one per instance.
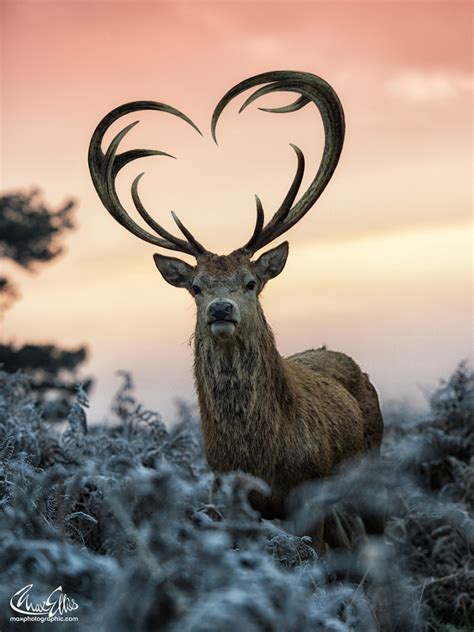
{"points": [[242, 388]]}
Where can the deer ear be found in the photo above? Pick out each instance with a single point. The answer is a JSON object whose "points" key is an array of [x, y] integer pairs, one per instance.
{"points": [[271, 263], [174, 271]]}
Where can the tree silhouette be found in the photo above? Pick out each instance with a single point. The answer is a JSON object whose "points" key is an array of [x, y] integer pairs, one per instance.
{"points": [[8, 294], [52, 372], [29, 230], [30, 235]]}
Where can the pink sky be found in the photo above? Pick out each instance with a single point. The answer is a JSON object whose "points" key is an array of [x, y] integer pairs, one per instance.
{"points": [[379, 268]]}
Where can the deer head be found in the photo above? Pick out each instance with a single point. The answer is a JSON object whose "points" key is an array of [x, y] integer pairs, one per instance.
{"points": [[225, 288]]}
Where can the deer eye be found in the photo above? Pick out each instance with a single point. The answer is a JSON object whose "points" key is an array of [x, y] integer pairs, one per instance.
{"points": [[251, 285], [196, 290]]}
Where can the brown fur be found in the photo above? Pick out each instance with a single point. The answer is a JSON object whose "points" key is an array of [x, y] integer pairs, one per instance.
{"points": [[283, 420]]}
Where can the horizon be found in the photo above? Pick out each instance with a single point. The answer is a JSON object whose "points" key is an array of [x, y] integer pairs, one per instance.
{"points": [[380, 267]]}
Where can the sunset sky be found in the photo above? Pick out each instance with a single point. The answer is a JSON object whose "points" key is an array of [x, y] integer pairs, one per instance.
{"points": [[381, 266]]}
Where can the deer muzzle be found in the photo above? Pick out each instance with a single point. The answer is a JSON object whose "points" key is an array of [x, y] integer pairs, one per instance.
{"points": [[223, 317]]}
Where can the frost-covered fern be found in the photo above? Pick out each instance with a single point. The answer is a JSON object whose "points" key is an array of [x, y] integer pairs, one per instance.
{"points": [[129, 520]]}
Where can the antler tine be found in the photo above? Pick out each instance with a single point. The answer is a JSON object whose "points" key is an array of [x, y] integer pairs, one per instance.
{"points": [[105, 167], [189, 236], [311, 89], [281, 214], [285, 207], [258, 225], [147, 217]]}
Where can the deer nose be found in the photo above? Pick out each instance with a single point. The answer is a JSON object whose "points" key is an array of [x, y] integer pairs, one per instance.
{"points": [[220, 310]]}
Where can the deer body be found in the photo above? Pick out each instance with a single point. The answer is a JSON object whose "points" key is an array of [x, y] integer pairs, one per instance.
{"points": [[285, 420]]}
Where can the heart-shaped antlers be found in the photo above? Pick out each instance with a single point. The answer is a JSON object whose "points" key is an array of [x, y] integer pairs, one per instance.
{"points": [[312, 89]]}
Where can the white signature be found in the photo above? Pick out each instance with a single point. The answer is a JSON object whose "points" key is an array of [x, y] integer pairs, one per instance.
{"points": [[57, 603]]}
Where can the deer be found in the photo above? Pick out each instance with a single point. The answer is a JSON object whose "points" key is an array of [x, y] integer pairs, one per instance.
{"points": [[283, 420]]}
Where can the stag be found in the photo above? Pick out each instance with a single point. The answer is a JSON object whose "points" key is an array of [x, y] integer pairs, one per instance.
{"points": [[285, 420]]}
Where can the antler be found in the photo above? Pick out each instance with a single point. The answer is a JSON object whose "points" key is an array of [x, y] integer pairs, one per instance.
{"points": [[312, 89], [105, 167]]}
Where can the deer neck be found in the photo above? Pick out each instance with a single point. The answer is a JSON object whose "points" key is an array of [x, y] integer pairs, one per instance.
{"points": [[241, 381]]}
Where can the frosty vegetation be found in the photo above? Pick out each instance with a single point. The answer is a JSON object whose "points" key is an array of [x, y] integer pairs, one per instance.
{"points": [[126, 517]]}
